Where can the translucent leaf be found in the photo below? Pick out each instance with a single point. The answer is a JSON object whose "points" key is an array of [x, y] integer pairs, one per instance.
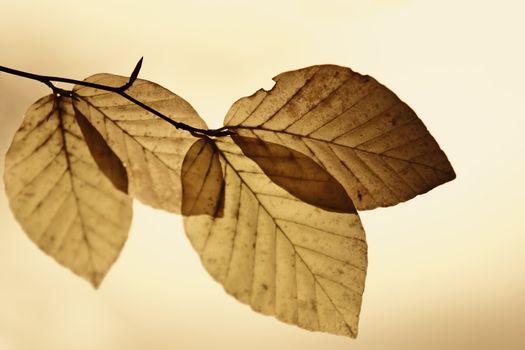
{"points": [[283, 257], [151, 149], [356, 128], [202, 180], [297, 173], [56, 191]]}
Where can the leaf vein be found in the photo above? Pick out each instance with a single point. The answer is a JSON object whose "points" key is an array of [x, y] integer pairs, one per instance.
{"points": [[290, 98], [288, 239], [372, 90], [334, 91]]}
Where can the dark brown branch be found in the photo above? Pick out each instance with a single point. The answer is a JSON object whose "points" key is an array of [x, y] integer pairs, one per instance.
{"points": [[120, 90]]}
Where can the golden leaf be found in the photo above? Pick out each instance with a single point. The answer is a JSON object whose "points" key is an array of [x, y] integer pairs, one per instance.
{"points": [[283, 257], [202, 180], [64, 203], [356, 128], [151, 150]]}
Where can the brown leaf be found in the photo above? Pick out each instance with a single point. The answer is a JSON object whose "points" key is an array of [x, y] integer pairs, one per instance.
{"points": [[59, 196], [283, 257], [202, 180], [356, 128], [106, 159], [298, 174], [151, 150]]}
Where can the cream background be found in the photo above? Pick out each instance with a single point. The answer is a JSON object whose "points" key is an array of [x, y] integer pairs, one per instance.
{"points": [[446, 269]]}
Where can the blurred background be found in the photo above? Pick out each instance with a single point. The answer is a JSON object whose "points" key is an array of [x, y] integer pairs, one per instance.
{"points": [[446, 269]]}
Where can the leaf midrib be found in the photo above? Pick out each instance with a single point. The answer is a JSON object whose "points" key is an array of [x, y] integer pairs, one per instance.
{"points": [[353, 148], [63, 131]]}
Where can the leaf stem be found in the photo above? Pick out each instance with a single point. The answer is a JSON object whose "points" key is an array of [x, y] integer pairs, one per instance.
{"points": [[120, 90]]}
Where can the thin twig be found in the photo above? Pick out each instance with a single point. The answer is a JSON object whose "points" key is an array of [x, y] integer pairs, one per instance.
{"points": [[119, 90]]}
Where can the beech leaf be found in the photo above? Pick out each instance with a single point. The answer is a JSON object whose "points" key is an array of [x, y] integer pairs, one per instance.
{"points": [[283, 257], [56, 191], [202, 180], [297, 173], [360, 131], [151, 150]]}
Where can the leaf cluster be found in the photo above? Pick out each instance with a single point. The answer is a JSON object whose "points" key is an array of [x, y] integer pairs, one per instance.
{"points": [[269, 201]]}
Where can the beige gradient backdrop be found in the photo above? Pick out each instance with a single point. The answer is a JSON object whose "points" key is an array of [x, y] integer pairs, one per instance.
{"points": [[447, 269]]}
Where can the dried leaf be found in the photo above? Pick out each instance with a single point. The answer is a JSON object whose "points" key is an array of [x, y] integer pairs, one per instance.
{"points": [[298, 174], [59, 196], [106, 159], [283, 257], [151, 150], [356, 128], [202, 180]]}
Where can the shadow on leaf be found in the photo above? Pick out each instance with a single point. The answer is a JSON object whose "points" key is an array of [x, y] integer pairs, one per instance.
{"points": [[106, 159], [298, 174]]}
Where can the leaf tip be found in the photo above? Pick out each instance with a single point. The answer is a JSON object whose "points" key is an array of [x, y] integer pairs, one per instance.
{"points": [[95, 283], [95, 279]]}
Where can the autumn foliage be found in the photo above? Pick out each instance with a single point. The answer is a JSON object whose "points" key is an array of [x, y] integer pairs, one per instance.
{"points": [[269, 201]]}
